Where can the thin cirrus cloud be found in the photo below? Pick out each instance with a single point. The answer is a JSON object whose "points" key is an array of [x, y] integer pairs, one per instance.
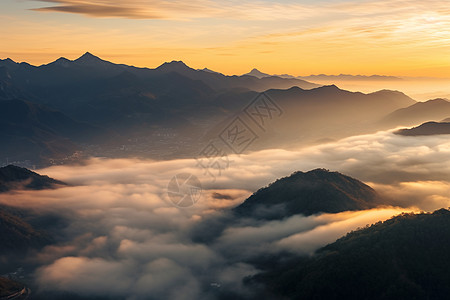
{"points": [[134, 9], [160, 9]]}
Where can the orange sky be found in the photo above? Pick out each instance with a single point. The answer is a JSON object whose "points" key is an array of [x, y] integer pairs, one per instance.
{"points": [[395, 37]]}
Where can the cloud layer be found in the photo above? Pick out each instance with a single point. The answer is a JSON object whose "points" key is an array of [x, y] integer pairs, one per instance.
{"points": [[125, 238]]}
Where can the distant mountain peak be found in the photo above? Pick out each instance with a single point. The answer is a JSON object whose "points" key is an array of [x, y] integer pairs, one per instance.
{"points": [[257, 73], [438, 100], [208, 70], [329, 88], [88, 58], [88, 55], [62, 61], [174, 66]]}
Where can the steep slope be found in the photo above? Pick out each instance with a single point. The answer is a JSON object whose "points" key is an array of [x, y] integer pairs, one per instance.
{"points": [[317, 191], [33, 131], [406, 257], [13, 177], [429, 128], [17, 236]]}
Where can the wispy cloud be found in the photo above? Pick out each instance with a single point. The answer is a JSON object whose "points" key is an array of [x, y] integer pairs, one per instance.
{"points": [[176, 9]]}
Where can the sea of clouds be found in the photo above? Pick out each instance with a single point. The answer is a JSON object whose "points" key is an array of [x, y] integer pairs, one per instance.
{"points": [[122, 235]]}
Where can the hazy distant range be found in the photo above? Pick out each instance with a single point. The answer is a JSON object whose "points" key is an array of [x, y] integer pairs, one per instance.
{"points": [[419, 88]]}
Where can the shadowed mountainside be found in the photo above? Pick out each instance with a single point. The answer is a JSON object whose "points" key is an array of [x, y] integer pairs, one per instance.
{"points": [[13, 177], [17, 236], [316, 191], [407, 256]]}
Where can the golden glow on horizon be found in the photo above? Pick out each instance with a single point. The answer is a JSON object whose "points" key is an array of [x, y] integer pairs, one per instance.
{"points": [[397, 37]]}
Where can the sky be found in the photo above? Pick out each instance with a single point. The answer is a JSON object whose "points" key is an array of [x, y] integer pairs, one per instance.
{"points": [[389, 37]]}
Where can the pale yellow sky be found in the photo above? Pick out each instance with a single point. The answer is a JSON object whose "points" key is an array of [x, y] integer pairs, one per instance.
{"points": [[395, 37]]}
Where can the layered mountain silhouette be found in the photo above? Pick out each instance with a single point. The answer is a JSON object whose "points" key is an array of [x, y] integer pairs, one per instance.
{"points": [[13, 177], [428, 128], [418, 113], [342, 77], [322, 77], [258, 74], [308, 193], [309, 116], [95, 104], [406, 257]]}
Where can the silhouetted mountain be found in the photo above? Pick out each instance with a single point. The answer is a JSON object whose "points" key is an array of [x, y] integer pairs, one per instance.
{"points": [[258, 74], [219, 81], [13, 177], [406, 257], [133, 103], [64, 72], [317, 191], [429, 128], [175, 66], [432, 110], [209, 71]]}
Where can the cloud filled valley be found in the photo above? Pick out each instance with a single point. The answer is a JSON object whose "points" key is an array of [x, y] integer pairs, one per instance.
{"points": [[122, 237]]}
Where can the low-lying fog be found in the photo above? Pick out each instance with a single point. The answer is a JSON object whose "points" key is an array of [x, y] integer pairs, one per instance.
{"points": [[126, 238]]}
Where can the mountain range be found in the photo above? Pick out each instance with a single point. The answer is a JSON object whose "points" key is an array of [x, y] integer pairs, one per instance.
{"points": [[94, 107], [258, 74]]}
